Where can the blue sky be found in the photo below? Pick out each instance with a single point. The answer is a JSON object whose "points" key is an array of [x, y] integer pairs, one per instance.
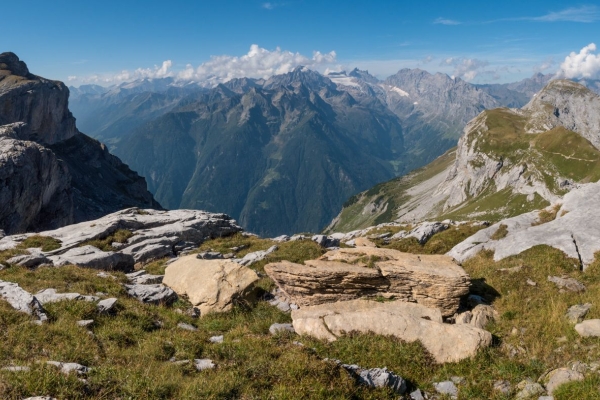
{"points": [[97, 41]]}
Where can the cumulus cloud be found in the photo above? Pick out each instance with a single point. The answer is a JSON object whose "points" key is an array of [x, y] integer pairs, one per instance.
{"points": [[257, 63], [71, 78], [445, 21], [465, 68], [585, 64]]}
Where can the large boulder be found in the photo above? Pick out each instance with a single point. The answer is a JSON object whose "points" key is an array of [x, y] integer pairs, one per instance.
{"points": [[210, 285], [344, 274], [406, 321]]}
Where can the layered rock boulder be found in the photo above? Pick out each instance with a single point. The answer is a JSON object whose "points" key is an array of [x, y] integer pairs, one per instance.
{"points": [[210, 285], [407, 321], [431, 280], [51, 174]]}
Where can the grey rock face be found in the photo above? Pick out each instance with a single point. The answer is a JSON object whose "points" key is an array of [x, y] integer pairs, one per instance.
{"points": [[256, 256], [377, 378], [51, 174], [22, 300], [149, 227], [575, 231], [573, 107], [29, 260], [91, 257], [326, 241]]}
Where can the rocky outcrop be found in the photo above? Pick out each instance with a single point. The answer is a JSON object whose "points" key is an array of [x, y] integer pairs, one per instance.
{"points": [[21, 300], [575, 230], [210, 285], [344, 274], [407, 321], [153, 234], [52, 175]]}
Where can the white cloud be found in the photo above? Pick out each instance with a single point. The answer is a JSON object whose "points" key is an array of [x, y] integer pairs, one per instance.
{"points": [[125, 75], [268, 6], [445, 21], [466, 68], [257, 63], [545, 65], [573, 14], [71, 78], [584, 64]]}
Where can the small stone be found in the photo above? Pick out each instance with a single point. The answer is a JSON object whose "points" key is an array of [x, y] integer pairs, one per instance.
{"points": [[67, 368], [106, 306], [577, 313], [546, 398], [417, 395], [209, 255], [527, 389], [187, 327], [446, 387], [16, 369], [531, 283], [180, 362], [202, 364], [376, 377], [216, 339], [567, 283], [277, 328], [458, 380], [559, 377], [85, 322], [590, 327], [283, 306], [502, 386]]}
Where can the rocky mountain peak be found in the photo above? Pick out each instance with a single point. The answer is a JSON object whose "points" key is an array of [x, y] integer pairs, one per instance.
{"points": [[568, 104], [41, 104], [11, 65]]}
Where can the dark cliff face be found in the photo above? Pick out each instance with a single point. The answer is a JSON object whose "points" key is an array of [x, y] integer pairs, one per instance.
{"points": [[51, 174]]}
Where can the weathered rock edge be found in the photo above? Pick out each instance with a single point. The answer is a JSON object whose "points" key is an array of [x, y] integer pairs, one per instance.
{"points": [[431, 280], [406, 321]]}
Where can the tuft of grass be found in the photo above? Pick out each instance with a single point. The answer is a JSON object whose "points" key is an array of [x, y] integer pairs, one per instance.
{"points": [[46, 243], [500, 233], [440, 243], [105, 244], [546, 215], [225, 244]]}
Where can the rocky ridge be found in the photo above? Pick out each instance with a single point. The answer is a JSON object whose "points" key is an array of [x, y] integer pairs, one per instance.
{"points": [[507, 162], [52, 175]]}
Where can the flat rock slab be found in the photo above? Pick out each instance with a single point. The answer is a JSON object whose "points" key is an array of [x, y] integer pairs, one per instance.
{"points": [[344, 274], [376, 378], [22, 300], [67, 368], [202, 364], [566, 283], [575, 231], [407, 321], [91, 257], [152, 294], [211, 285], [156, 234], [50, 296], [577, 313]]}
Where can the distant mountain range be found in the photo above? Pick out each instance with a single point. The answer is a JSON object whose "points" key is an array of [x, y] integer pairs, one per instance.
{"points": [[283, 154]]}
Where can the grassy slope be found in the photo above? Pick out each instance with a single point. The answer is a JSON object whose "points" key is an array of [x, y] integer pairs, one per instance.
{"points": [[392, 193], [129, 351], [548, 156]]}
